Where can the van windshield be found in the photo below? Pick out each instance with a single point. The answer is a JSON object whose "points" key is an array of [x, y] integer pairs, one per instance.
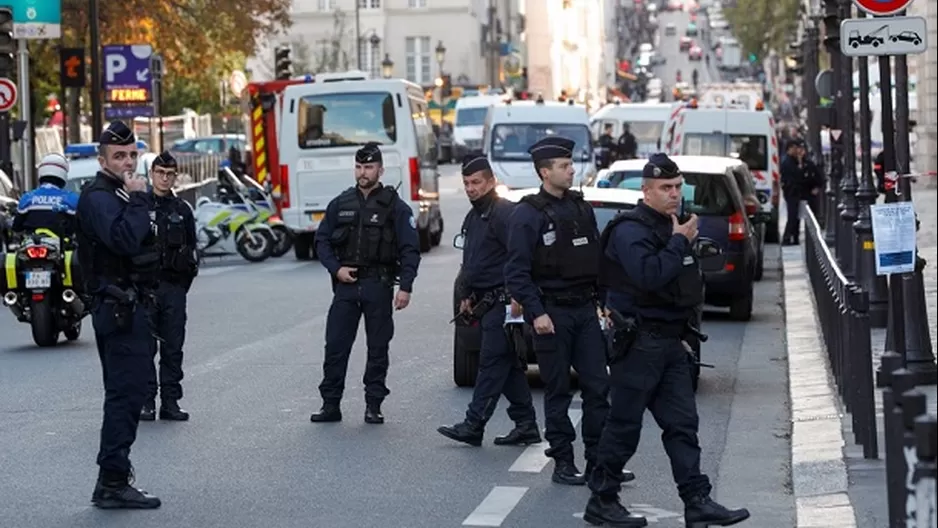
{"points": [[471, 116], [750, 149], [346, 119], [646, 131], [511, 142]]}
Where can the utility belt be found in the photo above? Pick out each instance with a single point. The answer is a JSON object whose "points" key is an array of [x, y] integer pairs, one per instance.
{"points": [[480, 302], [625, 329], [125, 299], [569, 297]]}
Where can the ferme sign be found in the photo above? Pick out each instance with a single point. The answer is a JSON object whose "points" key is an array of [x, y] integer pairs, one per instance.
{"points": [[128, 95]]}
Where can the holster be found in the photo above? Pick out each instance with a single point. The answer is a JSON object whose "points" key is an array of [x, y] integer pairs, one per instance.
{"points": [[620, 336], [481, 303], [124, 301]]}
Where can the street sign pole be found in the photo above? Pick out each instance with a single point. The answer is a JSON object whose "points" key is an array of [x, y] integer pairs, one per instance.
{"points": [[97, 126], [26, 143], [848, 195], [832, 43]]}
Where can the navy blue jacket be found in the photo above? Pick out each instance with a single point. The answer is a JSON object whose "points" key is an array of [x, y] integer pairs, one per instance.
{"points": [[47, 206], [631, 245], [486, 244], [166, 205], [405, 227]]}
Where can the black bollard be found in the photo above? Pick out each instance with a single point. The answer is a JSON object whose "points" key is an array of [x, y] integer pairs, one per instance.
{"points": [[914, 404], [919, 355], [832, 222], [902, 382], [926, 471], [846, 254]]}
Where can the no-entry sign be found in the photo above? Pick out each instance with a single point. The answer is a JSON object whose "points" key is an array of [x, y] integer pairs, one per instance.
{"points": [[882, 7], [7, 94]]}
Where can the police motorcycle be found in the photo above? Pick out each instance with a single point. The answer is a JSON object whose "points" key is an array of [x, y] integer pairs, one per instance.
{"points": [[240, 189], [40, 274], [224, 228]]}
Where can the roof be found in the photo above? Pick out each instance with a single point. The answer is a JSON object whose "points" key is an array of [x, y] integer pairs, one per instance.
{"points": [[590, 194], [533, 112]]}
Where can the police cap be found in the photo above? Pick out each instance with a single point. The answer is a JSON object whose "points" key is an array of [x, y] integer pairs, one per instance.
{"points": [[660, 167], [117, 133], [369, 153], [165, 159], [551, 147], [475, 162]]}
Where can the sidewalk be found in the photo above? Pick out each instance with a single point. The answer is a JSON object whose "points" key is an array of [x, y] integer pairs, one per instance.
{"points": [[834, 486]]}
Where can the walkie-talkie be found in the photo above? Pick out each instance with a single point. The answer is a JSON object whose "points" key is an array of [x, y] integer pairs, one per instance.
{"points": [[682, 215]]}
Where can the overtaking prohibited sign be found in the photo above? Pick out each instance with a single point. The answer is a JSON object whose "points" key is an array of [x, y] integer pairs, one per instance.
{"points": [[882, 7]]}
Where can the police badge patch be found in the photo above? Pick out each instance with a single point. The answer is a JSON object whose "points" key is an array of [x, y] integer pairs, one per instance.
{"points": [[413, 223]]}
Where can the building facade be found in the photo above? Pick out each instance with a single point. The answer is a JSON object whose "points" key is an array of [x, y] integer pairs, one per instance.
{"points": [[926, 66], [323, 38]]}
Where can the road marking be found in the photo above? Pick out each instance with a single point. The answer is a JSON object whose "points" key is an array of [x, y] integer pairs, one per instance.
{"points": [[210, 272], [533, 459], [283, 266], [649, 512], [496, 506]]}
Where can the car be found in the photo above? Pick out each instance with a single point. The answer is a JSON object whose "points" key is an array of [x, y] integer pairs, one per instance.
{"points": [[729, 217], [467, 340], [695, 53], [675, 5], [907, 36], [83, 170], [691, 30], [670, 29], [685, 43]]}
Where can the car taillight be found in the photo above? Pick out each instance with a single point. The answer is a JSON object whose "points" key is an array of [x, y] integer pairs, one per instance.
{"points": [[37, 252], [751, 208], [737, 227], [414, 165], [284, 187]]}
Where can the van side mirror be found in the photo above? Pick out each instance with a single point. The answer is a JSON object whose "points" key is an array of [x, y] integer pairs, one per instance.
{"points": [[459, 241]]}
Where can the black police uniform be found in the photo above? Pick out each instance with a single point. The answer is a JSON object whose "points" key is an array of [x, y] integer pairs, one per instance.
{"points": [[485, 229], [794, 188], [376, 233], [118, 252], [652, 275], [179, 265], [553, 262]]}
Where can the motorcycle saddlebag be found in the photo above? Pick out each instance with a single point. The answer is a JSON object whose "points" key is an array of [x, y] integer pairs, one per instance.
{"points": [[72, 276], [8, 279]]}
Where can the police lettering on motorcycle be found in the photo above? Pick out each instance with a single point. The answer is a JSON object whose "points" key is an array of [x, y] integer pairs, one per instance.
{"points": [[118, 249], [178, 267], [367, 241]]}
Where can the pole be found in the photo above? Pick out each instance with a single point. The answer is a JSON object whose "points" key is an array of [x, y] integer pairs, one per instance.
{"points": [[26, 114], [97, 125], [832, 43], [358, 35], [886, 111], [158, 106], [812, 100], [6, 165], [848, 186], [493, 45]]}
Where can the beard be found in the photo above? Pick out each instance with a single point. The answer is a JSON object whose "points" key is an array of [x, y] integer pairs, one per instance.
{"points": [[365, 183]]}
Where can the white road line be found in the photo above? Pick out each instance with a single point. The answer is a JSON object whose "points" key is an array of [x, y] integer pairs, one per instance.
{"points": [[211, 272], [283, 266], [533, 459], [496, 506]]}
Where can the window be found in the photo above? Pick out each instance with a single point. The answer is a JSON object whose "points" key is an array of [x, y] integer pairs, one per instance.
{"points": [[471, 116], [646, 131], [416, 4], [346, 119], [709, 194], [418, 59], [605, 212], [423, 129], [751, 150], [598, 128], [369, 4], [326, 5], [511, 142], [370, 56]]}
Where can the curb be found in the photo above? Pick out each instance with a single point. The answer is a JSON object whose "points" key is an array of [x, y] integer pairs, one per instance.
{"points": [[818, 470]]}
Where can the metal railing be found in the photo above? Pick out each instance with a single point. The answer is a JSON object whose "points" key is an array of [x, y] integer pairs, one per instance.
{"points": [[843, 310]]}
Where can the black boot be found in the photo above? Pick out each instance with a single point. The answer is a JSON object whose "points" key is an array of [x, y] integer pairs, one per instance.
{"points": [[524, 433], [566, 472], [148, 413], [169, 410], [610, 512], [465, 432], [373, 414], [702, 511], [330, 412], [113, 491]]}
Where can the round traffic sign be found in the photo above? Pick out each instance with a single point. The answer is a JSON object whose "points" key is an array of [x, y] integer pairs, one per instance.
{"points": [[882, 7], [237, 82], [7, 94]]}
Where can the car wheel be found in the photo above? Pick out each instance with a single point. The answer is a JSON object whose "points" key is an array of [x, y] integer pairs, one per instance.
{"points": [[855, 45], [759, 270], [741, 308]]}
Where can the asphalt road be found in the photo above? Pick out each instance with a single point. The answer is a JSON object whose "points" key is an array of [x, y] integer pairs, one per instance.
{"points": [[250, 457], [669, 48]]}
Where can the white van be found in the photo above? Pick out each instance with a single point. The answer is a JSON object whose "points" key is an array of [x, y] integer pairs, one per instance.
{"points": [[324, 122], [470, 122], [512, 127], [646, 122], [748, 135]]}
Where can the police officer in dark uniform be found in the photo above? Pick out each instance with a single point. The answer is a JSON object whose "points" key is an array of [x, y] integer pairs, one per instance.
{"points": [[483, 296], [179, 266], [654, 282], [553, 262], [367, 239], [118, 251]]}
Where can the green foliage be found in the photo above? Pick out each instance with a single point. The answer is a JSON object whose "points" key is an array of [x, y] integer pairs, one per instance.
{"points": [[763, 25]]}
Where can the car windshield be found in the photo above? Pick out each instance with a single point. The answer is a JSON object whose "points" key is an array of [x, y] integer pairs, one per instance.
{"points": [[471, 116], [511, 142], [751, 150], [346, 119], [703, 194]]}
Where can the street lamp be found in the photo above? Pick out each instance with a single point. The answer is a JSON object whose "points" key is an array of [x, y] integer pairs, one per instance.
{"points": [[440, 53], [387, 66], [375, 41]]}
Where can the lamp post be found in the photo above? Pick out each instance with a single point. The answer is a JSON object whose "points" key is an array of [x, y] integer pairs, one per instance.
{"points": [[440, 55], [375, 41], [387, 67]]}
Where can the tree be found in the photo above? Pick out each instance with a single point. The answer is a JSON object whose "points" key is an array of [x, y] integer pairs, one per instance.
{"points": [[763, 25], [333, 54]]}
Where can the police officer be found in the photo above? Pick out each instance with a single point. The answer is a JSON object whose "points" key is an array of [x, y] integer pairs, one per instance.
{"points": [[553, 262], [118, 252], [653, 277], [367, 239], [483, 281], [48, 206], [179, 266]]}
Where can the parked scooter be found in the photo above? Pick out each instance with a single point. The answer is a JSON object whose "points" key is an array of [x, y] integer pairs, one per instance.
{"points": [[241, 189], [224, 228]]}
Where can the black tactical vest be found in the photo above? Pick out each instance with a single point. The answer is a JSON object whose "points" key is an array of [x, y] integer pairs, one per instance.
{"points": [[177, 254], [573, 255], [364, 233], [685, 291]]}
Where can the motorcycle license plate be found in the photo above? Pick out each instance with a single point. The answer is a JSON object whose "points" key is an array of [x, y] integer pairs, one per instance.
{"points": [[37, 280]]}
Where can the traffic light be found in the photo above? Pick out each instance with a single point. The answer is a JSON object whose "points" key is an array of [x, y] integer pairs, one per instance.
{"points": [[831, 26], [283, 65], [794, 64], [7, 42]]}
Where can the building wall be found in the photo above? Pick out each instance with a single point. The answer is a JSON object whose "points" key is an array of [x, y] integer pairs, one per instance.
{"points": [[926, 64], [455, 23]]}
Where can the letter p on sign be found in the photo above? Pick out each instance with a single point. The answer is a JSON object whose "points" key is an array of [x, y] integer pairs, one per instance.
{"points": [[113, 65]]}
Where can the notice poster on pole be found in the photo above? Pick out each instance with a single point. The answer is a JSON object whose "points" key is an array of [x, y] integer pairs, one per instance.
{"points": [[894, 237]]}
